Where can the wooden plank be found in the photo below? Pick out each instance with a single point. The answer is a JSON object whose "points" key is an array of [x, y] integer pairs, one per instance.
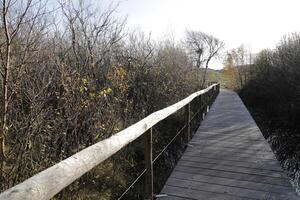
{"points": [[231, 150], [187, 193], [229, 156], [225, 189], [228, 143], [235, 146], [232, 182], [246, 170], [233, 140], [232, 166], [171, 197], [240, 147], [233, 158], [237, 175], [242, 155], [237, 163]]}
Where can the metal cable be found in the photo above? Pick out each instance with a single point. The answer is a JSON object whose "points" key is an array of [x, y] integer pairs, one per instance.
{"points": [[144, 171], [123, 194], [178, 133], [160, 153], [195, 114]]}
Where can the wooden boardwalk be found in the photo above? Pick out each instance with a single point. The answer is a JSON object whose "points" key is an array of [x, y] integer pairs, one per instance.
{"points": [[228, 158]]}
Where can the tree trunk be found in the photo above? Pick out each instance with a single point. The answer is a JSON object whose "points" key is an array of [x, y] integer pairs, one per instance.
{"points": [[3, 119], [205, 71], [198, 65], [4, 100]]}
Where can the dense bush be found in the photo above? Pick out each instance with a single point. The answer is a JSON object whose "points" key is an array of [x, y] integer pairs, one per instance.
{"points": [[273, 94], [275, 84], [78, 80]]}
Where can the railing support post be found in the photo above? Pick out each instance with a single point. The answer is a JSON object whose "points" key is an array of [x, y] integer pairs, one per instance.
{"points": [[148, 166], [201, 107], [188, 122], [206, 102]]}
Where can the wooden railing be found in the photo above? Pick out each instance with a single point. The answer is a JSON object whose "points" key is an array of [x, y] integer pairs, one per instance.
{"points": [[51, 181]]}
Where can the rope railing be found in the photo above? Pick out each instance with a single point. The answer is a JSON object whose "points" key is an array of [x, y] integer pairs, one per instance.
{"points": [[48, 183]]}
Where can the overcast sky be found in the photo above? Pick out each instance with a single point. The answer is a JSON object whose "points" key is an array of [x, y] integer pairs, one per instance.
{"points": [[258, 24]]}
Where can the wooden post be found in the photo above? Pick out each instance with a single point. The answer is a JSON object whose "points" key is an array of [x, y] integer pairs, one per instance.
{"points": [[215, 92], [206, 102], [148, 166], [201, 108], [208, 94], [187, 123], [210, 97]]}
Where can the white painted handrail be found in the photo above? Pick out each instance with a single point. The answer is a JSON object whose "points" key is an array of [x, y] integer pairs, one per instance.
{"points": [[51, 181]]}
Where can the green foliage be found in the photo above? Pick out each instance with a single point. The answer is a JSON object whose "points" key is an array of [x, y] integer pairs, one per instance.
{"points": [[213, 76]]}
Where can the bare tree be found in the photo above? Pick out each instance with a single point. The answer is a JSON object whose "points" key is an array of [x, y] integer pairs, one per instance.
{"points": [[10, 28], [203, 47], [18, 38], [92, 35]]}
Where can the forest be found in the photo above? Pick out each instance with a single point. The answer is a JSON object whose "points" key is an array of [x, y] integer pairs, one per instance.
{"points": [[73, 74]]}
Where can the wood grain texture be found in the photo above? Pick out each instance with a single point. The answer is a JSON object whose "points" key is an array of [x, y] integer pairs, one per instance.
{"points": [[228, 158]]}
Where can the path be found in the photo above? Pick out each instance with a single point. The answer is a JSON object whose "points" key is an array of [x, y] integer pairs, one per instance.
{"points": [[228, 158]]}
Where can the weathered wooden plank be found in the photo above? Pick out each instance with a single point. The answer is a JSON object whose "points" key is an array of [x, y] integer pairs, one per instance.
{"points": [[242, 155], [241, 147], [171, 197], [232, 190], [262, 172], [234, 172], [242, 169], [237, 163], [229, 143], [233, 139], [187, 193], [231, 150], [229, 156], [238, 176], [233, 182], [233, 158]]}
